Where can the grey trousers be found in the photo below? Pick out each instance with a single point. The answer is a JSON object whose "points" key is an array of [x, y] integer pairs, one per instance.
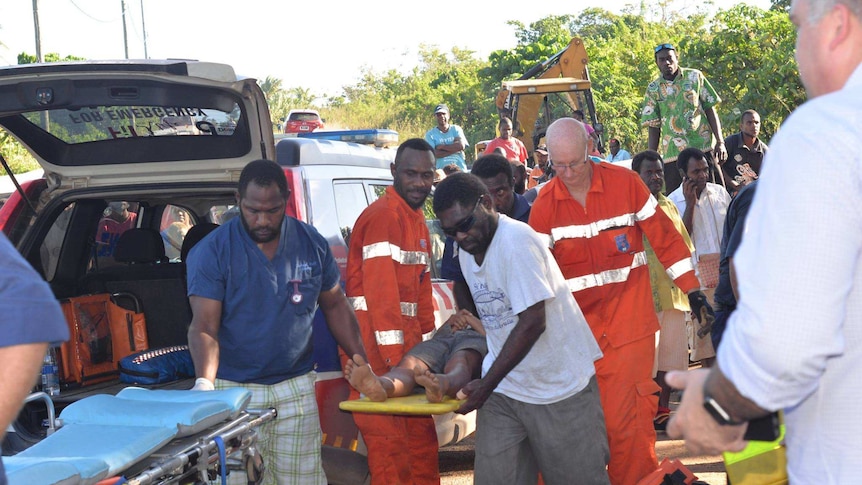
{"points": [[566, 441]]}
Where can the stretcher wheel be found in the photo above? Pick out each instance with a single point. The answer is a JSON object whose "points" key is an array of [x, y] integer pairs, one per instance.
{"points": [[254, 467]]}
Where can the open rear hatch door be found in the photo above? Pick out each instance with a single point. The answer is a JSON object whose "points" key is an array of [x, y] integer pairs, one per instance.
{"points": [[113, 123]]}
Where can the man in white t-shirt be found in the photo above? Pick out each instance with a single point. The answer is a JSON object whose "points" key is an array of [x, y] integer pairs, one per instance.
{"points": [[538, 401]]}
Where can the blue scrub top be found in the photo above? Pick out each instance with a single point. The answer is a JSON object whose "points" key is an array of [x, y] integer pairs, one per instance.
{"points": [[267, 306], [31, 312]]}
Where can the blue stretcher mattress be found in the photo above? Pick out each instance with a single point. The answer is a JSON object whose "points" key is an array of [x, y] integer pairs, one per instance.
{"points": [[103, 435]]}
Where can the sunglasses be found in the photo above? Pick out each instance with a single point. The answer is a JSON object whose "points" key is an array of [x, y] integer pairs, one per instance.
{"points": [[663, 46], [465, 224]]}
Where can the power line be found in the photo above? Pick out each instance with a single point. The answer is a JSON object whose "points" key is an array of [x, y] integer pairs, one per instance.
{"points": [[91, 17]]}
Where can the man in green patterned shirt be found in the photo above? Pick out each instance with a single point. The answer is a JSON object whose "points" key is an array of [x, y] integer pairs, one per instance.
{"points": [[679, 112]]}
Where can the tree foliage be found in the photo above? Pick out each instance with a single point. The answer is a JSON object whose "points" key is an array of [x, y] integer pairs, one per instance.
{"points": [[750, 62], [745, 52], [24, 58]]}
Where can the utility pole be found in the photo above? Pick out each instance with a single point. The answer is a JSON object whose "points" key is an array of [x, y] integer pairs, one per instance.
{"points": [[44, 116], [144, 28], [38, 32], [125, 33]]}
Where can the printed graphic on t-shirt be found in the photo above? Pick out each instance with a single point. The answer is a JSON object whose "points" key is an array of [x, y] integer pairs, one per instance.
{"points": [[494, 308], [745, 174]]}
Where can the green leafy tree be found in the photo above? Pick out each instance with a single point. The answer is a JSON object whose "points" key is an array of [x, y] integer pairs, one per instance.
{"points": [[780, 5], [404, 102], [18, 158], [276, 99], [744, 52], [24, 58], [748, 55]]}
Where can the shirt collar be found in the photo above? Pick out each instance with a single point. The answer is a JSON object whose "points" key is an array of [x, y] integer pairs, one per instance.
{"points": [[520, 208], [399, 202], [286, 225], [596, 183], [757, 147], [855, 78]]}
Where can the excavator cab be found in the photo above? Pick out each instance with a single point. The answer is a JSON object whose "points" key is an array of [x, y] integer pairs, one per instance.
{"points": [[551, 89]]}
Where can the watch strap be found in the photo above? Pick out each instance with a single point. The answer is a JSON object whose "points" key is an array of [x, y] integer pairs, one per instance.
{"points": [[717, 412]]}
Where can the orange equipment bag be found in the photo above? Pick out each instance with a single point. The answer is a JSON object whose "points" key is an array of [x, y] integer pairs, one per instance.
{"points": [[100, 334], [669, 472]]}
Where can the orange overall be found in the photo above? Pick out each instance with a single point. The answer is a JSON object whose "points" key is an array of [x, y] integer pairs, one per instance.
{"points": [[599, 248], [389, 285]]}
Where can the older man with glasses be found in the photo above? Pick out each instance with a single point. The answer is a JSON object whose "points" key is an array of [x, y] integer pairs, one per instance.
{"points": [[679, 112], [594, 217]]}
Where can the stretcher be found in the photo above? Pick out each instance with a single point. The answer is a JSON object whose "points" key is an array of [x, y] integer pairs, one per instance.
{"points": [[414, 404], [144, 437]]}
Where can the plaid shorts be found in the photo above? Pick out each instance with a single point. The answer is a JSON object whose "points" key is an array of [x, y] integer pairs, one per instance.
{"points": [[290, 444]]}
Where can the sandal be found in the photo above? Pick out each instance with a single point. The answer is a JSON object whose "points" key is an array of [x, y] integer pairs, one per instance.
{"points": [[661, 419]]}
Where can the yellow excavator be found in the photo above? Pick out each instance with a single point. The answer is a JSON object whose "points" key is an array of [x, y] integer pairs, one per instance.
{"points": [[551, 89]]}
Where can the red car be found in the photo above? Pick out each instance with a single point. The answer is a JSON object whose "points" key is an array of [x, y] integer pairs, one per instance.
{"points": [[303, 121]]}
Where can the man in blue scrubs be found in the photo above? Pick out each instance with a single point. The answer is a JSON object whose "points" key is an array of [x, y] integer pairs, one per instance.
{"points": [[254, 286], [30, 318]]}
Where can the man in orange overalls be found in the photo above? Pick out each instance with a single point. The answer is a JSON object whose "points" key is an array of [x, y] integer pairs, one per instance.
{"points": [[595, 216], [389, 284]]}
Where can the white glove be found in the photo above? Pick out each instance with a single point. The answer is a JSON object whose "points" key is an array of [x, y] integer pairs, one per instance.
{"points": [[203, 384]]}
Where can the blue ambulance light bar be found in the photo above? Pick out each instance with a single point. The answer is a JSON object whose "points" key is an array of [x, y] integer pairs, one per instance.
{"points": [[378, 138]]}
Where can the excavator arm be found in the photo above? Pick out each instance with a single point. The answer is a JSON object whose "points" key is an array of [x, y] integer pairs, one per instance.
{"points": [[549, 90]]}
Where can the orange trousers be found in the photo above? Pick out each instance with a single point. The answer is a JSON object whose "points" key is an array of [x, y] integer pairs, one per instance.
{"points": [[629, 398], [402, 450]]}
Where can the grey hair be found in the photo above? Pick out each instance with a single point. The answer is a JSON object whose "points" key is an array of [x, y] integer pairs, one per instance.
{"points": [[818, 8]]}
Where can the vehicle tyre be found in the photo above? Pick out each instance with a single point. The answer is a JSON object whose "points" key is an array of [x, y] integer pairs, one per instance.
{"points": [[19, 440]]}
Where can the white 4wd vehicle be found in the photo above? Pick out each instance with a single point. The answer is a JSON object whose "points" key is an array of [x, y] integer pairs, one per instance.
{"points": [[158, 143]]}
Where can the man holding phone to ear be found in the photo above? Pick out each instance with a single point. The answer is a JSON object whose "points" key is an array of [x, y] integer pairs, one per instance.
{"points": [[703, 206]]}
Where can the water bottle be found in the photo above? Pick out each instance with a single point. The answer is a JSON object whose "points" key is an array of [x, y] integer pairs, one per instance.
{"points": [[50, 378]]}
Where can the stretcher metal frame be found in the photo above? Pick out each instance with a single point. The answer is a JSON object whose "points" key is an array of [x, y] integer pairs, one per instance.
{"points": [[226, 446]]}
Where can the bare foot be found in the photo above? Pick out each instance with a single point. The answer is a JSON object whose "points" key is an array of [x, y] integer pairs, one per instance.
{"points": [[435, 385], [363, 379]]}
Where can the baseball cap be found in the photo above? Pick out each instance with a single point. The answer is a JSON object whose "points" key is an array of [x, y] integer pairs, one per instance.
{"points": [[543, 149], [441, 108], [662, 47]]}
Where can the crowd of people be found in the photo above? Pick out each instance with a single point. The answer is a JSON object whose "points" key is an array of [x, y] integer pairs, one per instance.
{"points": [[582, 297]]}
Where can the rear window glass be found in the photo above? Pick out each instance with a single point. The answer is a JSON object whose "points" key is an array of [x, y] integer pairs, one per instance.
{"points": [[99, 123], [303, 117]]}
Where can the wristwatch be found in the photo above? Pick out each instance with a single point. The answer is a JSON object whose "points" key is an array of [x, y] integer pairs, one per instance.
{"points": [[717, 412]]}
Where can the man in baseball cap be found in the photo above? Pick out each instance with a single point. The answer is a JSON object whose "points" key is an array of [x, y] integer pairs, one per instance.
{"points": [[540, 173], [448, 140]]}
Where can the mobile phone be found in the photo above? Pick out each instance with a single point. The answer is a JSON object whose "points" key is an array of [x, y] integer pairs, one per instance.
{"points": [[766, 428]]}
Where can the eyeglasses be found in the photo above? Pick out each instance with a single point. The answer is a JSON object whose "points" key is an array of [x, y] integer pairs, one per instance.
{"points": [[663, 46], [465, 224], [571, 166]]}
